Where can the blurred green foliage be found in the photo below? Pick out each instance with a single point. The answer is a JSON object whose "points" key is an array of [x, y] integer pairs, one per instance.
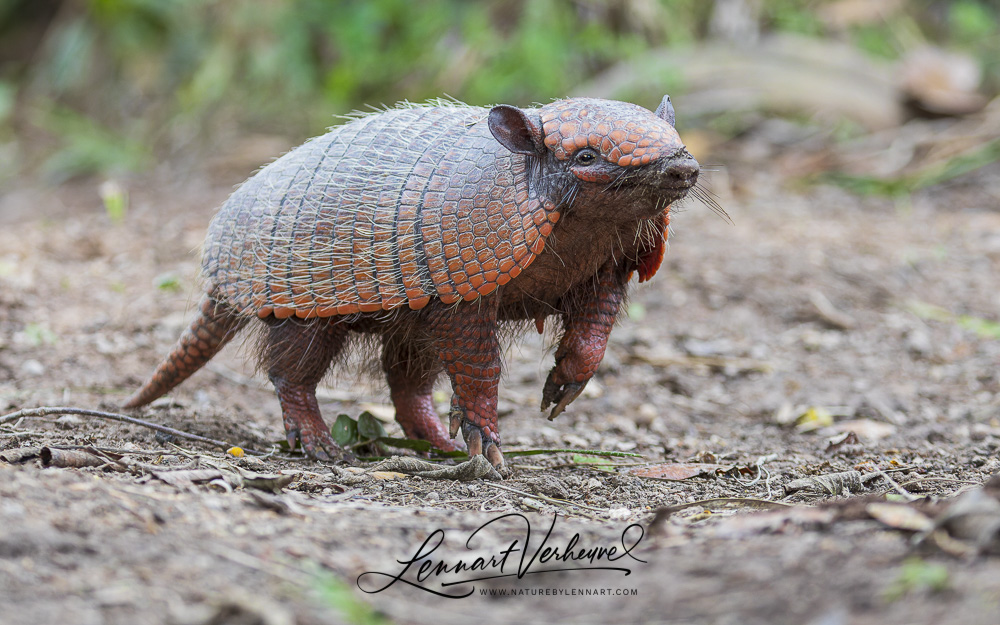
{"points": [[87, 147], [167, 72], [108, 84]]}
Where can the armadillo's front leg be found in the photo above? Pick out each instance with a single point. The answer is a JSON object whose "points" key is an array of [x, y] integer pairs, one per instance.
{"points": [[465, 338], [593, 307]]}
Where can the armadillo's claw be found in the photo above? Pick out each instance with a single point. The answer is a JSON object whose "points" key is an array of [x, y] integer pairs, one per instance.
{"points": [[559, 394], [481, 443], [454, 422], [320, 446], [495, 457], [474, 439], [294, 438]]}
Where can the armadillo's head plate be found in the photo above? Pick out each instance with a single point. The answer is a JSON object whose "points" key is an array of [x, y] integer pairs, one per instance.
{"points": [[623, 134]]}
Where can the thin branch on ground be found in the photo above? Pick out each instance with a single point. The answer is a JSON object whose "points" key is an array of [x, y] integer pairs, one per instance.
{"points": [[761, 503], [558, 502], [923, 480], [46, 411], [896, 487]]}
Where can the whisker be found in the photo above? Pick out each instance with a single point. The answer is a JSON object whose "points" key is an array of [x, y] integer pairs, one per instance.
{"points": [[711, 200]]}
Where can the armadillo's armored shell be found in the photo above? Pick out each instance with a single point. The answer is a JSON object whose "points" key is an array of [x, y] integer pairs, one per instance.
{"points": [[391, 209]]}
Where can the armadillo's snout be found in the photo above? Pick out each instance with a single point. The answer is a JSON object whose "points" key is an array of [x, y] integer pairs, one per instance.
{"points": [[683, 169], [677, 174]]}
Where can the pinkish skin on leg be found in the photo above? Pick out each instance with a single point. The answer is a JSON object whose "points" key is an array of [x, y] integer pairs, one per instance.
{"points": [[585, 337], [297, 356], [411, 386]]}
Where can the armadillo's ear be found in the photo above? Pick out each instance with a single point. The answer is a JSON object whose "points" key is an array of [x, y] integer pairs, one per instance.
{"points": [[516, 131], [666, 110]]}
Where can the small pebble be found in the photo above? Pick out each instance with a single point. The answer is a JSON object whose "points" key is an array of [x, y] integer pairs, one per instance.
{"points": [[68, 422], [11, 509], [32, 367], [919, 342], [529, 502], [619, 513], [433, 496]]}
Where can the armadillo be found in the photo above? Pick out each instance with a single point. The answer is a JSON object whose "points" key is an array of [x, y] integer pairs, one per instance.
{"points": [[435, 228]]}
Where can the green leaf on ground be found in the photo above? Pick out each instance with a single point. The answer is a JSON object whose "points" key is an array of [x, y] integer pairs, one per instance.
{"points": [[369, 428], [983, 328], [39, 335], [341, 597], [115, 198], [167, 282], [916, 575], [595, 462], [345, 430]]}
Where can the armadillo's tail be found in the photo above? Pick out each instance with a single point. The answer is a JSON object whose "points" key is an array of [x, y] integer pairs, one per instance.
{"points": [[209, 332]]}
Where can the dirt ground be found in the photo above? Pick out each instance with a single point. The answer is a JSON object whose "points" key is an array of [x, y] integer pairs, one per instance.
{"points": [[865, 317]]}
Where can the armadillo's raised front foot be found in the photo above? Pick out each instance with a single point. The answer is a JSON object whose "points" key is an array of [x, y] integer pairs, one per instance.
{"points": [[560, 394], [480, 441]]}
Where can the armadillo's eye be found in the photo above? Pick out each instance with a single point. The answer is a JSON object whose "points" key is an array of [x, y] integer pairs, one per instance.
{"points": [[585, 157]]}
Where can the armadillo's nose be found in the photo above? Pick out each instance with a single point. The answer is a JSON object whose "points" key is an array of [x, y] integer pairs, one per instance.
{"points": [[683, 169], [676, 176]]}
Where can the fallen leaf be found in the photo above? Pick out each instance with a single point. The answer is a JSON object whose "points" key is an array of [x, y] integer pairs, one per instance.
{"points": [[844, 439], [830, 484], [941, 81], [864, 428], [20, 454], [387, 475], [901, 517], [681, 470], [814, 418]]}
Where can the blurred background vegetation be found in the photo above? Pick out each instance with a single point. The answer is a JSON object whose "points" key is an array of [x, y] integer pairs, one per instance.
{"points": [[110, 87]]}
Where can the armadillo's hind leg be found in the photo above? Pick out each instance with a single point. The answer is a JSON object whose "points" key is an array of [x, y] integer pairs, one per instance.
{"points": [[214, 326], [410, 372], [297, 355]]}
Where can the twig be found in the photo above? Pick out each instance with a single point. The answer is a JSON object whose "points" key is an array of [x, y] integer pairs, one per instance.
{"points": [[753, 502], [558, 502], [712, 362], [938, 479], [281, 570], [598, 464], [899, 489], [119, 450], [583, 452], [45, 411], [829, 314]]}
